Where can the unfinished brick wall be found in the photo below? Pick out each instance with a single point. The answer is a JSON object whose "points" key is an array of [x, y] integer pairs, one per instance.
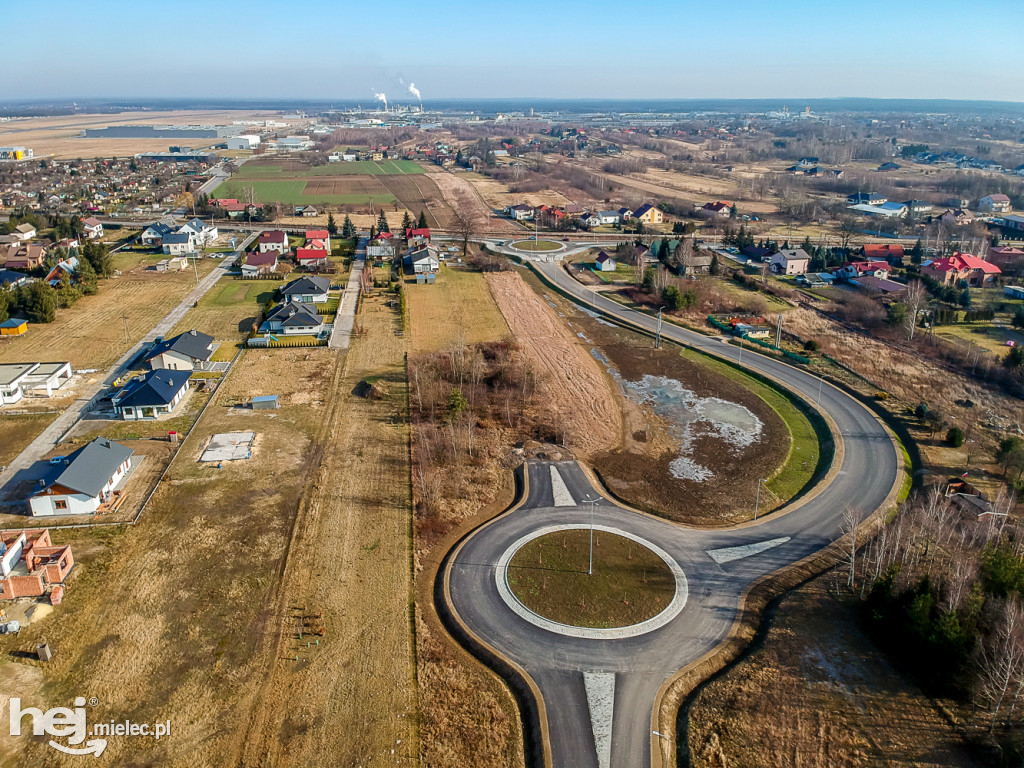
{"points": [[21, 586]]}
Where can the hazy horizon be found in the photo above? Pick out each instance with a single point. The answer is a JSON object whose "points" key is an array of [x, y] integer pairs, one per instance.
{"points": [[796, 50]]}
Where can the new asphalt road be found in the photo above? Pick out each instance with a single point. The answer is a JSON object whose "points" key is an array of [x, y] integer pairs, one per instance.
{"points": [[585, 682]]}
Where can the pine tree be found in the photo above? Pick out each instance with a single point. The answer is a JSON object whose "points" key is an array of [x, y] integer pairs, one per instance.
{"points": [[382, 222], [406, 221], [348, 229], [332, 225], [423, 220], [917, 252]]}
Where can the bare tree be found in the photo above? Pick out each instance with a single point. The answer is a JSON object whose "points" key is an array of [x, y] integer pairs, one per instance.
{"points": [[465, 228], [851, 525], [915, 299], [1001, 662]]}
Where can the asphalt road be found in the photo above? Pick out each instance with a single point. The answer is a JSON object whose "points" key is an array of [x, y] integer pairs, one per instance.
{"points": [[868, 472]]}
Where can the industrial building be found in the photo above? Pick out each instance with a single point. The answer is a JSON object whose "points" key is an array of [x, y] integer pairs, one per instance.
{"points": [[15, 153]]}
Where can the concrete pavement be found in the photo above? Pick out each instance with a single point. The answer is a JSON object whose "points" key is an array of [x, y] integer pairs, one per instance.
{"points": [[344, 321]]}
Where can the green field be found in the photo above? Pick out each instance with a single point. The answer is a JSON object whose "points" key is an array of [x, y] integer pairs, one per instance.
{"points": [[358, 168], [536, 245], [291, 193]]}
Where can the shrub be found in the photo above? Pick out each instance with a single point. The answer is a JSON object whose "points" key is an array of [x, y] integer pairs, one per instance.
{"points": [[955, 437], [881, 395], [811, 345]]}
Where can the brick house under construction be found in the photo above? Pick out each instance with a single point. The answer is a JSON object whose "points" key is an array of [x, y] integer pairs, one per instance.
{"points": [[31, 566]]}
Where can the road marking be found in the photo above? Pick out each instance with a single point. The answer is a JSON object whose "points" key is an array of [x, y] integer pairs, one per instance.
{"points": [[559, 491], [729, 554], [600, 687]]}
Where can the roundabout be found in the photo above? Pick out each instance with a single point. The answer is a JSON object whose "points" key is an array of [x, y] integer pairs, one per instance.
{"points": [[632, 588], [536, 246]]}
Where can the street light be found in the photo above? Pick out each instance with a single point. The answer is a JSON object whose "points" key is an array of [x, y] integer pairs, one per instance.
{"points": [[592, 503], [757, 497], [657, 335], [817, 400]]}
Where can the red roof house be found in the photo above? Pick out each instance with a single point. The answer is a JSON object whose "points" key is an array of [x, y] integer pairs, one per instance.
{"points": [[962, 266]]}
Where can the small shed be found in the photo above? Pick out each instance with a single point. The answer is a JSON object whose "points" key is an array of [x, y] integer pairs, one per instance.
{"points": [[13, 327], [265, 403]]}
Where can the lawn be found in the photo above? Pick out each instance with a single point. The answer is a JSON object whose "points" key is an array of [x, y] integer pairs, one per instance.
{"points": [[291, 192], [629, 583], [992, 338], [535, 245], [229, 309], [458, 308]]}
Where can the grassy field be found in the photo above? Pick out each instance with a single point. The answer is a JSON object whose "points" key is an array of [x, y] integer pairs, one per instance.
{"points": [[293, 193], [18, 430], [629, 583], [362, 167], [100, 328], [229, 309], [536, 245], [993, 338], [458, 308]]}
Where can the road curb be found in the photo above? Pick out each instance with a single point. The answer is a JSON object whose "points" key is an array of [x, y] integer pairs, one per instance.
{"points": [[532, 710]]}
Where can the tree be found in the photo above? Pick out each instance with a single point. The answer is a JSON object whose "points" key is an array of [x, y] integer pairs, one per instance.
{"points": [[915, 300], [38, 302], [955, 437], [464, 228], [921, 411], [672, 297], [1014, 358], [348, 229], [406, 221], [98, 257], [1010, 455], [332, 225], [382, 222], [917, 252], [85, 277], [423, 220], [6, 300], [67, 294], [896, 313], [964, 298], [1018, 318]]}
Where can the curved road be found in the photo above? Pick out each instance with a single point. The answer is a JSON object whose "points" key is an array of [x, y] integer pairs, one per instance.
{"points": [[631, 670]]}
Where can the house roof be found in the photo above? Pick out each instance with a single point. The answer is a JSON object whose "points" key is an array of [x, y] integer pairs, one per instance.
{"points": [[868, 266], [295, 314], [13, 322], [177, 237], [304, 285], [642, 210], [154, 388], [417, 232], [998, 198], [317, 234], [721, 205], [89, 468], [10, 276], [305, 254], [258, 259], [191, 344], [274, 236], [92, 221], [24, 228], [602, 257], [158, 229], [793, 254], [959, 262], [883, 250], [879, 284]]}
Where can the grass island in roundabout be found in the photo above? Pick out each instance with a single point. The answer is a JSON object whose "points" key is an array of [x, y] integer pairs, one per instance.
{"points": [[633, 587], [536, 246]]}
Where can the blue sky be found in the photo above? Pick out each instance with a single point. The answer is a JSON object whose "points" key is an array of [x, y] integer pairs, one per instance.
{"points": [[462, 49]]}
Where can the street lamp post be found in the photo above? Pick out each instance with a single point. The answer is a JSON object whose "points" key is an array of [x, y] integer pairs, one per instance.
{"points": [[592, 503], [757, 497], [657, 336], [817, 400]]}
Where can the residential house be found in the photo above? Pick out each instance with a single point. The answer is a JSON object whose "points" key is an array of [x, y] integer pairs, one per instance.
{"points": [[154, 394], [178, 243], [85, 480], [1004, 257], [608, 217], [889, 166], [31, 566], [520, 212], [293, 318], [24, 232], [25, 257], [307, 290], [756, 252], [605, 263], [883, 252], [93, 228], [381, 248], [625, 214], [794, 261], [66, 266], [311, 258], [306, 211], [423, 260], [273, 240], [17, 379], [994, 204], [851, 269], [154, 235], [648, 214], [202, 233], [722, 209], [887, 210], [10, 279], [962, 266], [816, 279], [918, 207], [866, 198], [591, 220], [321, 236], [697, 262], [189, 351], [957, 217], [257, 263], [873, 284], [417, 236]]}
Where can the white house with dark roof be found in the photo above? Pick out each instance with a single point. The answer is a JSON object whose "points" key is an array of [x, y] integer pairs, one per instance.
{"points": [[202, 233], [188, 351], [273, 240], [154, 394], [307, 290], [605, 263], [93, 228], [179, 243], [293, 318], [154, 234], [84, 480]]}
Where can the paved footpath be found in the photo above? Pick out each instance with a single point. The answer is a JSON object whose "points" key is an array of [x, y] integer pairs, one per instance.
{"points": [[341, 334], [50, 436]]}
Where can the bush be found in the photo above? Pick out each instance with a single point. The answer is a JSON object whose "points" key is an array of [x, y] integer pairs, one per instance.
{"points": [[811, 345], [921, 411], [955, 437], [881, 395]]}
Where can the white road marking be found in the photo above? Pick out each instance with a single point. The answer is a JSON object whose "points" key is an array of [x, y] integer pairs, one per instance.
{"points": [[729, 554], [559, 490], [600, 688]]}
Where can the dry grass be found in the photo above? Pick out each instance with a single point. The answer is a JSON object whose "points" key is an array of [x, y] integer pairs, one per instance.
{"points": [[818, 692], [91, 334], [457, 309], [18, 430], [165, 620]]}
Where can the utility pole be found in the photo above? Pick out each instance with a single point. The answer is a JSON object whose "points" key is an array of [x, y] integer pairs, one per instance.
{"points": [[592, 503], [778, 333], [657, 335]]}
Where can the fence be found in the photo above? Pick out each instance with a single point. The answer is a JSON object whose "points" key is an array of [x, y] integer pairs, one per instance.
{"points": [[260, 342]]}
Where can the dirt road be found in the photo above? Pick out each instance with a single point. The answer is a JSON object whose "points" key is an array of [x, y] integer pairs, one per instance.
{"points": [[575, 385]]}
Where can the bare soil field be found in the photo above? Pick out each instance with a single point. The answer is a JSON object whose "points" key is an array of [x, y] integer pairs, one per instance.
{"points": [[457, 309], [167, 619], [462, 196], [91, 334], [574, 384], [818, 692], [418, 192], [59, 136], [497, 195]]}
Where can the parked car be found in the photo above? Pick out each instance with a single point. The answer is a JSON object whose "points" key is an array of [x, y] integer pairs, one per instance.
{"points": [[57, 460]]}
